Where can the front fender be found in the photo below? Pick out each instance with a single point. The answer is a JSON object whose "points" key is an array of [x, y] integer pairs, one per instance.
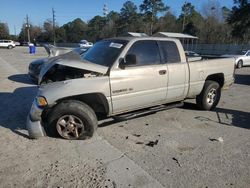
{"points": [[58, 90]]}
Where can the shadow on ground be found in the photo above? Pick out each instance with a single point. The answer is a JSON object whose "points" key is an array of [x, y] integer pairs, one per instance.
{"points": [[235, 117], [21, 78], [242, 79], [15, 107]]}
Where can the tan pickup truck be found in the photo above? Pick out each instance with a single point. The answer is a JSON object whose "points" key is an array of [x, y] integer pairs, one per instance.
{"points": [[118, 76]]}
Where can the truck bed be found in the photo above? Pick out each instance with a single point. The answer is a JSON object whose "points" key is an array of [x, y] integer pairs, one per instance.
{"points": [[199, 71]]}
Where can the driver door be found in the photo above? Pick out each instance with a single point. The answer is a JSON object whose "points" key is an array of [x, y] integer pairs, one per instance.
{"points": [[142, 84]]}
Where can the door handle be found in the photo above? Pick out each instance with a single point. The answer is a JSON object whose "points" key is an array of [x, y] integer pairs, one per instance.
{"points": [[162, 72]]}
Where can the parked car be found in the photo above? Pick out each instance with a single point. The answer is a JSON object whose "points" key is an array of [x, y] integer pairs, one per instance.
{"points": [[118, 76], [24, 43], [192, 56], [53, 54], [7, 44], [85, 43], [243, 60], [17, 43]]}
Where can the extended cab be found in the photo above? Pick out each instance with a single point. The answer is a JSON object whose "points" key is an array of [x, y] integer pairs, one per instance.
{"points": [[122, 75]]}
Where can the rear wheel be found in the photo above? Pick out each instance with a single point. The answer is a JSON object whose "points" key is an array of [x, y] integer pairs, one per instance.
{"points": [[210, 96], [240, 64], [72, 120]]}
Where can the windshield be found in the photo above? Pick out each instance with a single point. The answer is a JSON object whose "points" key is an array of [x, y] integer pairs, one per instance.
{"points": [[105, 52]]}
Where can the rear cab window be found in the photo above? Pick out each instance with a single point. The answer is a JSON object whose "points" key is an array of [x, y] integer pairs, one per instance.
{"points": [[170, 52]]}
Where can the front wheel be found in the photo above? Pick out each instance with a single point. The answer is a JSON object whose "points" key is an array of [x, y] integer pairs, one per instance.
{"points": [[72, 120], [10, 47], [210, 96]]}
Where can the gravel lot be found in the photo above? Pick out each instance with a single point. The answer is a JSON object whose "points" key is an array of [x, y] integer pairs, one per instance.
{"points": [[186, 153]]}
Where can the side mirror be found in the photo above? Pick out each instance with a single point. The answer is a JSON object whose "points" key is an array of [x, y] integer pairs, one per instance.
{"points": [[130, 59]]}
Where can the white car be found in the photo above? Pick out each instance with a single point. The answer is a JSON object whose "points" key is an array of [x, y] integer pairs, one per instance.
{"points": [[7, 44], [243, 60], [85, 43]]}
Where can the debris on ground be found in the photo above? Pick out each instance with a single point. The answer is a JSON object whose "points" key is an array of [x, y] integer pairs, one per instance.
{"points": [[146, 124], [220, 139], [139, 143], [177, 162], [126, 137], [121, 126], [137, 135], [152, 143]]}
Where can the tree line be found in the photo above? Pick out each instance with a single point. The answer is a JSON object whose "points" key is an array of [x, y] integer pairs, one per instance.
{"points": [[213, 24]]}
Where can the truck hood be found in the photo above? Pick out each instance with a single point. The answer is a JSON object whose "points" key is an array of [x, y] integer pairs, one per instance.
{"points": [[74, 63], [85, 65], [53, 51]]}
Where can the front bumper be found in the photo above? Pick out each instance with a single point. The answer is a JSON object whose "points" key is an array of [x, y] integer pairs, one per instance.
{"points": [[33, 124], [35, 128]]}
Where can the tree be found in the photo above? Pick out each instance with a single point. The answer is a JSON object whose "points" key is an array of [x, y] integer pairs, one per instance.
{"points": [[75, 30], [128, 18], [4, 31], [239, 19], [110, 28], [95, 26], [47, 32], [151, 8], [60, 34], [167, 23], [225, 13], [35, 33], [190, 19]]}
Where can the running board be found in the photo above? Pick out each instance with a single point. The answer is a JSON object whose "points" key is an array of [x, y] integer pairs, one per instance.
{"points": [[147, 111]]}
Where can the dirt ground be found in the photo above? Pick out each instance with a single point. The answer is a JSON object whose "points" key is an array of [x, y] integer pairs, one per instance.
{"points": [[180, 147]]}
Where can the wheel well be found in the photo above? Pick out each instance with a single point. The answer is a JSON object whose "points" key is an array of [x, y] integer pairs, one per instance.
{"points": [[97, 101], [219, 78]]}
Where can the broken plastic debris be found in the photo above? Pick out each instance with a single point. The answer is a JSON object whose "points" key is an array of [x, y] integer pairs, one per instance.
{"points": [[177, 162], [139, 143], [137, 135], [220, 139], [152, 143]]}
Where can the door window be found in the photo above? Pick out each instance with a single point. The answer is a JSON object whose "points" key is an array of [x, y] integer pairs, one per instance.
{"points": [[146, 52]]}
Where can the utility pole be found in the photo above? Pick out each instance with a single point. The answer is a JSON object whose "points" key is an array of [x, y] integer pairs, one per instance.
{"points": [[15, 30], [54, 22], [28, 27]]}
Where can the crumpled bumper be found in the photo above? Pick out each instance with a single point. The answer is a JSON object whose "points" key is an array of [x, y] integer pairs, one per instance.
{"points": [[35, 128]]}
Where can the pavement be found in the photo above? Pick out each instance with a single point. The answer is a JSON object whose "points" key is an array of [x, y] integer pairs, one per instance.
{"points": [[180, 147]]}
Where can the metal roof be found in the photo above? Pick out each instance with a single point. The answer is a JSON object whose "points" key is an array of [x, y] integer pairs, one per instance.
{"points": [[174, 35], [134, 34]]}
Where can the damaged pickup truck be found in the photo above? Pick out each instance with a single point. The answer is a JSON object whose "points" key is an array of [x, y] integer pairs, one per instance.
{"points": [[118, 76]]}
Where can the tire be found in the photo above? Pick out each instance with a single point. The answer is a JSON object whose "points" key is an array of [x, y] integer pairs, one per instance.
{"points": [[209, 96], [10, 47], [240, 64], [72, 120]]}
